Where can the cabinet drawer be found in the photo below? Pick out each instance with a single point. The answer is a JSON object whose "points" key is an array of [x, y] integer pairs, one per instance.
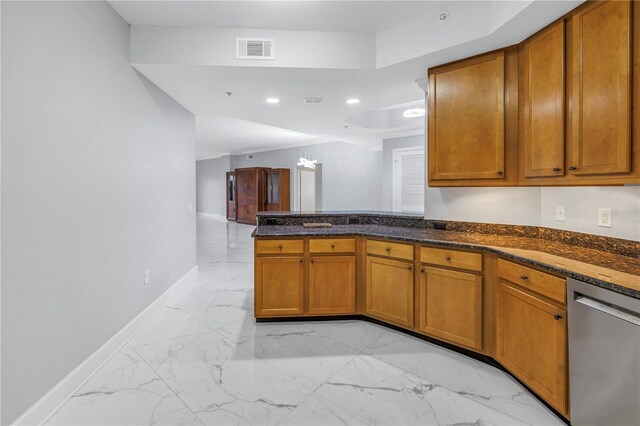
{"points": [[384, 248], [451, 258], [545, 284], [341, 245], [279, 246]]}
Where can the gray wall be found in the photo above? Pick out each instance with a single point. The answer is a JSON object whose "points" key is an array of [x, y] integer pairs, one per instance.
{"points": [[97, 169], [351, 174], [211, 191]]}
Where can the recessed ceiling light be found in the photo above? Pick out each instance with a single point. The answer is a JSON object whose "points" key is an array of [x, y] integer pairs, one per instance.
{"points": [[273, 100], [413, 113], [353, 101]]}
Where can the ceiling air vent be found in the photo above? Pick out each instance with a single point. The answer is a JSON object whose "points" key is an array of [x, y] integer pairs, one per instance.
{"points": [[254, 48], [313, 100]]}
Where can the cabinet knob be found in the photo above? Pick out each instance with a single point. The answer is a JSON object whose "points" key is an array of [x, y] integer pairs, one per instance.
{"points": [[311, 261], [388, 249], [448, 258], [573, 168], [280, 246], [333, 246], [422, 270], [410, 268], [557, 317], [524, 277], [301, 260], [499, 173], [557, 169]]}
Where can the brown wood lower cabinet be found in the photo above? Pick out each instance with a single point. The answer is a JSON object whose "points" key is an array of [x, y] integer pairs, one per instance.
{"points": [[531, 341], [389, 290], [451, 306], [279, 286], [332, 285]]}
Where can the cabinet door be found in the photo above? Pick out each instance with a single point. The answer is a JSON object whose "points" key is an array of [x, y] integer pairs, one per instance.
{"points": [[246, 186], [543, 119], [246, 213], [451, 306], [390, 290], [601, 89], [332, 285], [279, 286], [467, 119], [531, 341]]}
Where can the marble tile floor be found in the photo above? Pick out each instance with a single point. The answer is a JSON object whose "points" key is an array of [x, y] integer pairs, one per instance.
{"points": [[203, 360]]}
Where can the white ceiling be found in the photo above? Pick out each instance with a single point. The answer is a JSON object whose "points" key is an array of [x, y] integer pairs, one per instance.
{"points": [[242, 136], [202, 90], [334, 16], [196, 66]]}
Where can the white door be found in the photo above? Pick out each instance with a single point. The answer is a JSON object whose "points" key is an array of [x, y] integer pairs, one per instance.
{"points": [[408, 179], [307, 190]]}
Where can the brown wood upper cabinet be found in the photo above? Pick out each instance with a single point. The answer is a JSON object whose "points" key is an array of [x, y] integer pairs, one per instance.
{"points": [[542, 144], [576, 97], [601, 89], [467, 119]]}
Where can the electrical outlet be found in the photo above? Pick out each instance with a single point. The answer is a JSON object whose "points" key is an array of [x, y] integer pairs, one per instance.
{"points": [[560, 213], [604, 218], [146, 277]]}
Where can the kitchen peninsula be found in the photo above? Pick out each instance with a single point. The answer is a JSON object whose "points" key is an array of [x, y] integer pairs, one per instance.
{"points": [[484, 288]]}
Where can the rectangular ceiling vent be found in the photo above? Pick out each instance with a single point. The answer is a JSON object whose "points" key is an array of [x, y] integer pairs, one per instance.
{"points": [[254, 48], [313, 100]]}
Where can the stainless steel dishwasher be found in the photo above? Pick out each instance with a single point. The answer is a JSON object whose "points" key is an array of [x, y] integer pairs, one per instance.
{"points": [[604, 356]]}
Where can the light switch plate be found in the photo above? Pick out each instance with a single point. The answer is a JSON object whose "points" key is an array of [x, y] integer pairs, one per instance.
{"points": [[146, 277], [604, 218], [189, 207], [560, 216]]}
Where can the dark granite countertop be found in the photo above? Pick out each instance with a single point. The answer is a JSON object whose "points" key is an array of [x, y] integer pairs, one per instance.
{"points": [[613, 271]]}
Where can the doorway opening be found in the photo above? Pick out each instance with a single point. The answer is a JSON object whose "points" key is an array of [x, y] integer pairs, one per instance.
{"points": [[309, 189], [408, 179]]}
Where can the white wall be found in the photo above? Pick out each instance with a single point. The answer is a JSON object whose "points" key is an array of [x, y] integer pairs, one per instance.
{"points": [[581, 209], [536, 206], [211, 190], [501, 205], [351, 174], [514, 206], [216, 46], [97, 169]]}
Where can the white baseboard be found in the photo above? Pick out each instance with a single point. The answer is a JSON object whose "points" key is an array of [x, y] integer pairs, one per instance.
{"points": [[213, 216], [39, 412]]}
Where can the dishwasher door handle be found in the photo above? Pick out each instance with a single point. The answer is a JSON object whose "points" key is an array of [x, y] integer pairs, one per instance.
{"points": [[607, 308]]}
